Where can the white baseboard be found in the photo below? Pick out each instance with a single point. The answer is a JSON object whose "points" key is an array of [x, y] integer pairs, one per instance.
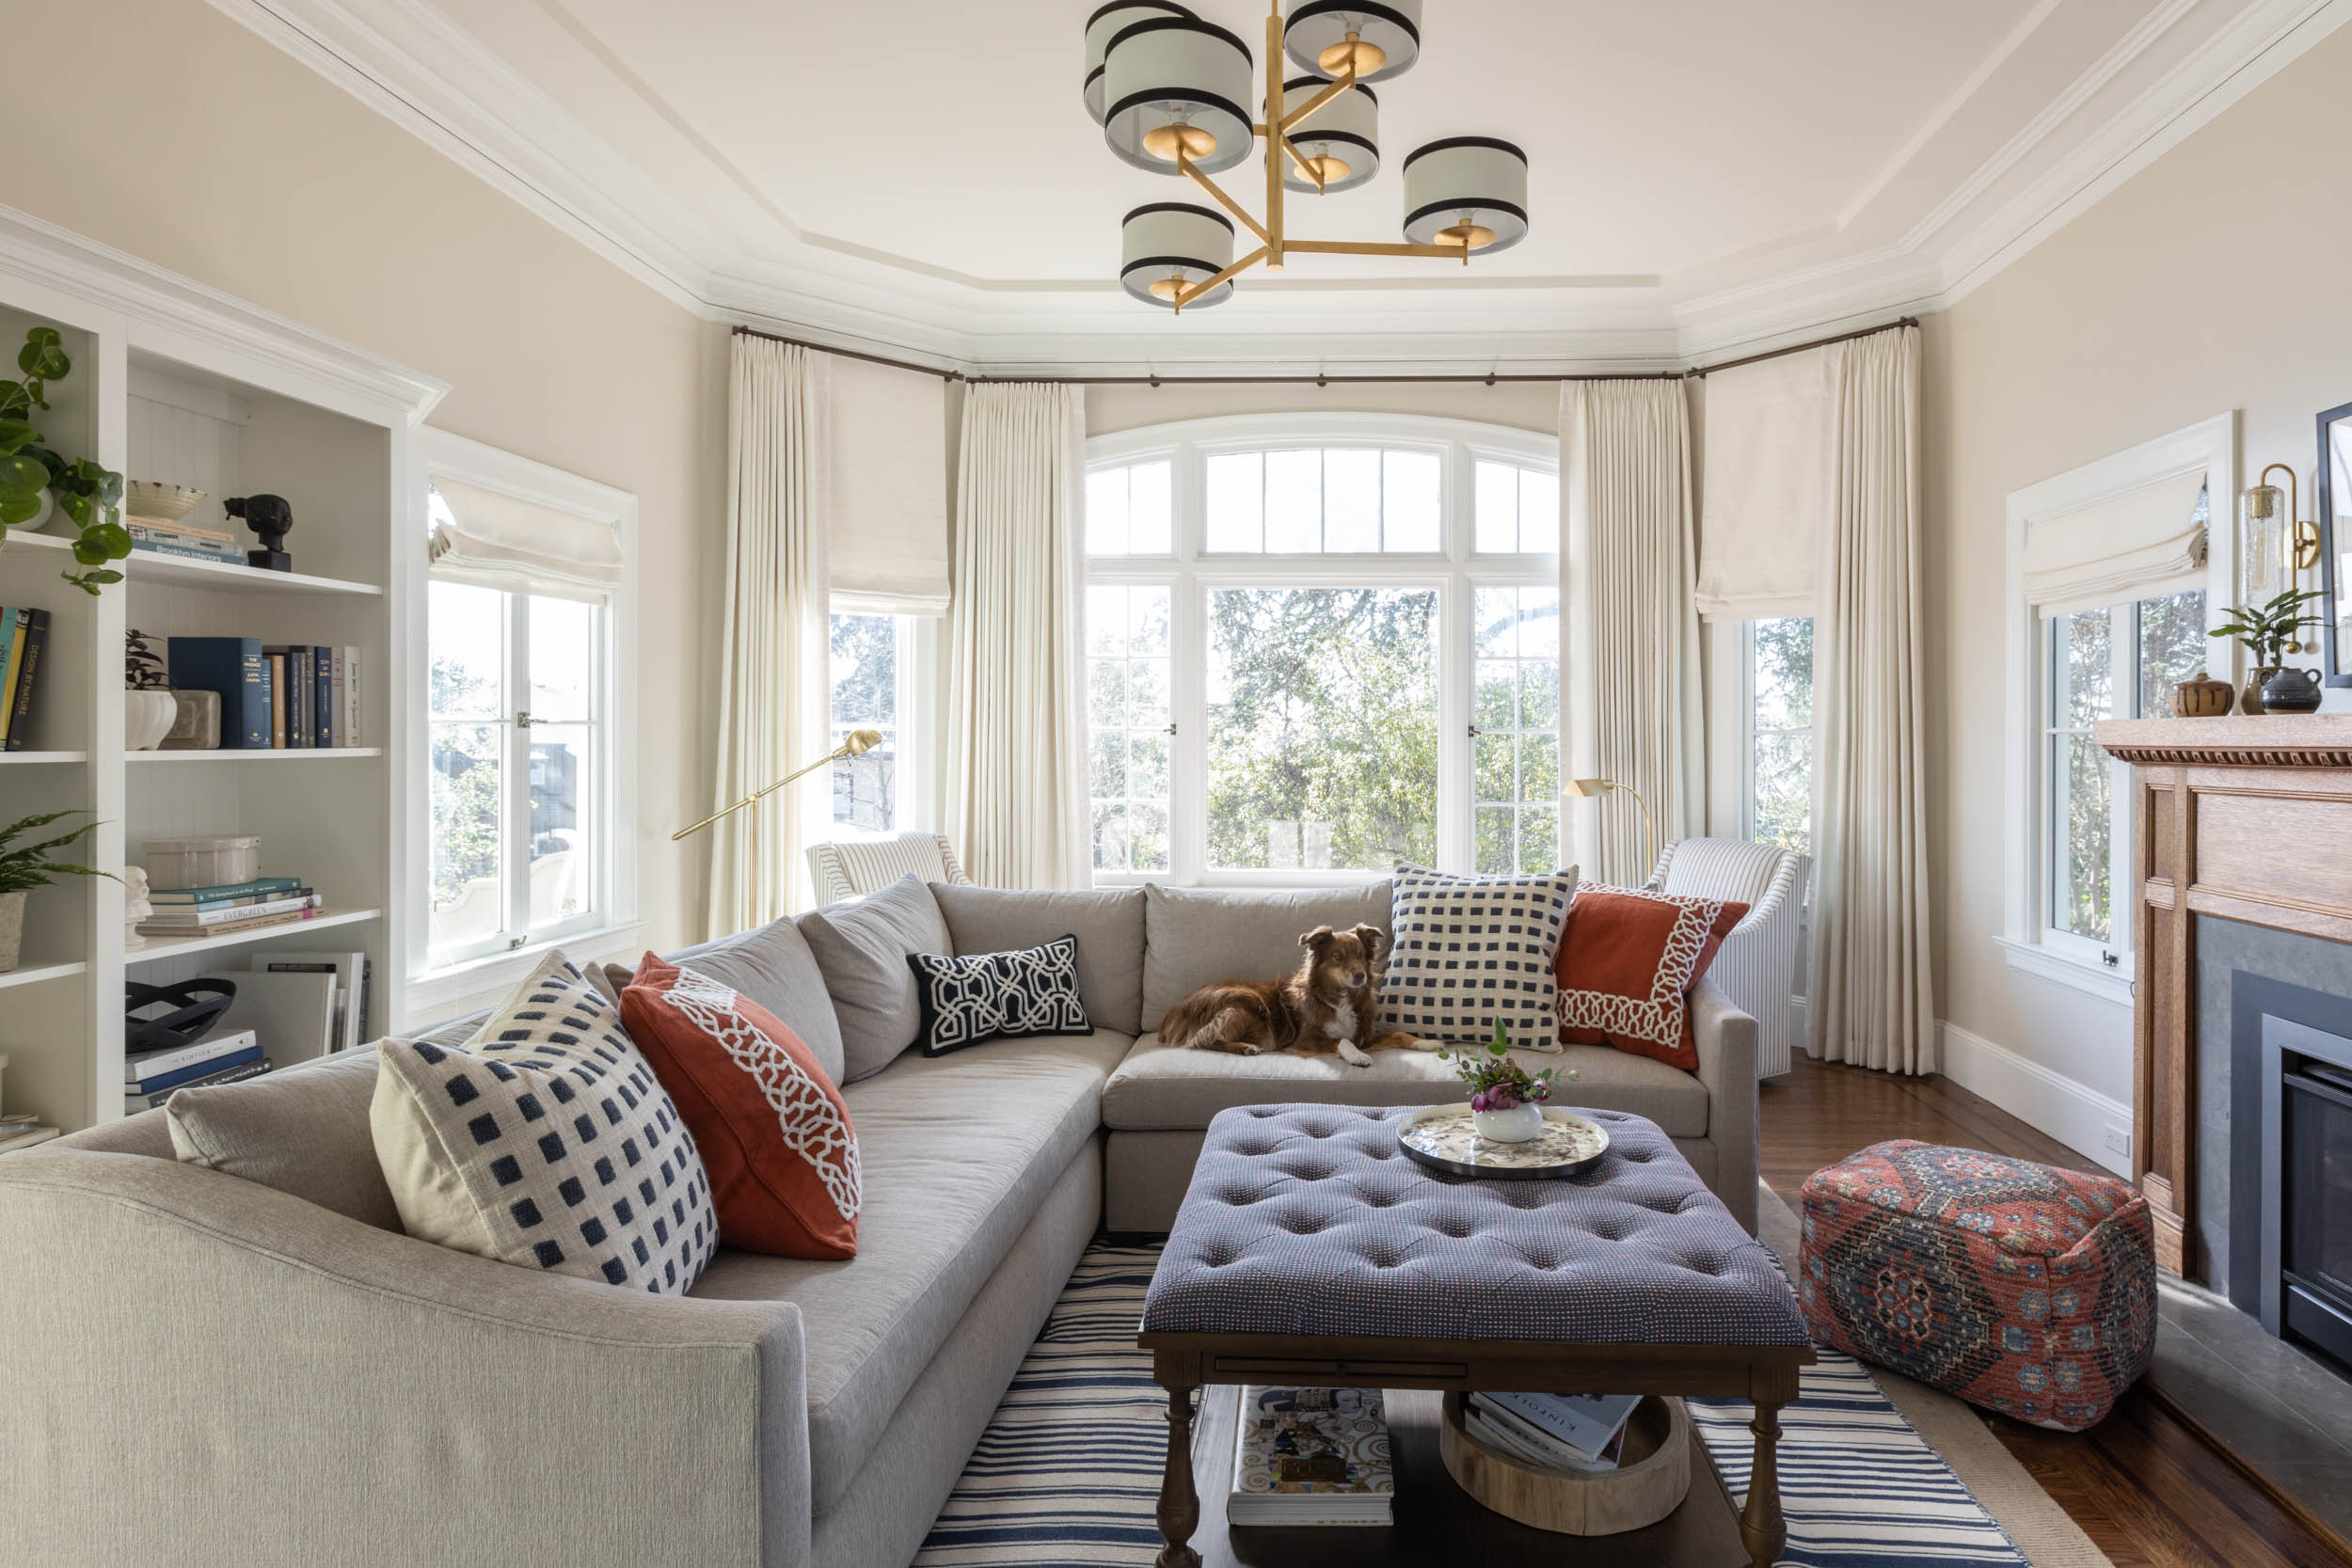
{"points": [[2075, 1113]]}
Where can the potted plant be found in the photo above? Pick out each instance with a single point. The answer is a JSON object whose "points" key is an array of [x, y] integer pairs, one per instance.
{"points": [[27, 869], [34, 477], [149, 708], [2266, 632], [1507, 1100]]}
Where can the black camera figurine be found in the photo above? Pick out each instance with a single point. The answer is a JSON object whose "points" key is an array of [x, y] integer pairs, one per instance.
{"points": [[272, 519]]}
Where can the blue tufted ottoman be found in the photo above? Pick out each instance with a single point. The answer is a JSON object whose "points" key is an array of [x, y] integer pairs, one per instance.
{"points": [[1311, 1249]]}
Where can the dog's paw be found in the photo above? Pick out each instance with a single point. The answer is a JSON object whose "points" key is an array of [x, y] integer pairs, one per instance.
{"points": [[1353, 1056], [1243, 1047], [1417, 1043]]}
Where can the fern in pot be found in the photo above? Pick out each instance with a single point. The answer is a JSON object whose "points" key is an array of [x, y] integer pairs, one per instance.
{"points": [[24, 867]]}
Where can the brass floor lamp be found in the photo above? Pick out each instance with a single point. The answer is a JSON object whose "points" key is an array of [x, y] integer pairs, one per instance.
{"points": [[859, 743], [1590, 789]]}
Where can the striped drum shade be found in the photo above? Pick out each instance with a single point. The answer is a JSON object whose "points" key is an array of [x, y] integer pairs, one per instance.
{"points": [[1175, 240], [1105, 24], [1315, 35], [1171, 79], [1474, 187], [1345, 136]]}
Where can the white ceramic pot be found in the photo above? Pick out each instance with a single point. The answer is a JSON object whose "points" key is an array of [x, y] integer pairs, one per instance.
{"points": [[147, 718], [12, 929], [1516, 1124]]}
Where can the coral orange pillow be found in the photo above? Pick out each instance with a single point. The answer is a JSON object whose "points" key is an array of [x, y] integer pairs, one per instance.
{"points": [[1627, 960], [773, 1130]]}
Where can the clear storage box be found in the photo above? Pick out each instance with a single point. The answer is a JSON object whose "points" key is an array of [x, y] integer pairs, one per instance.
{"points": [[223, 861]]}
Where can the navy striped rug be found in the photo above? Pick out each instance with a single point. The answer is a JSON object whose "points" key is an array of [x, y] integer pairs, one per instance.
{"points": [[1069, 1472]]}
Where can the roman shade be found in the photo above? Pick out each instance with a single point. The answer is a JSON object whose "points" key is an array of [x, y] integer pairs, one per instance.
{"points": [[889, 501], [2135, 546], [524, 546], [1765, 491]]}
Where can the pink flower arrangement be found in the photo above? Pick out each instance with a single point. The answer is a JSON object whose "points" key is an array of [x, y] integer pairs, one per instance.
{"points": [[1495, 1081]]}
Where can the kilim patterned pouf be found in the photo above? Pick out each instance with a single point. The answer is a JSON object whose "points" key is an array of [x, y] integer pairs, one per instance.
{"points": [[2020, 1287]]}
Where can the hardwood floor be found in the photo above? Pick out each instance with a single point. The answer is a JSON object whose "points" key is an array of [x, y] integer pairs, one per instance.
{"points": [[2147, 1489]]}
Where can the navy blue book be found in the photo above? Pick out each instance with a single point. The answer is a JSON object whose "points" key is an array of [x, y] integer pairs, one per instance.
{"points": [[190, 1074], [232, 666], [323, 697]]}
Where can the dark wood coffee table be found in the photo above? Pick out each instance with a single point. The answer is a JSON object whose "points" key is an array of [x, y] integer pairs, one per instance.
{"points": [[1310, 1251]]}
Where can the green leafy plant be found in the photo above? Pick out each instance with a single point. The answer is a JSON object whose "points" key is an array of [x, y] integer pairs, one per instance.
{"points": [[2266, 631], [1495, 1081], [86, 491], [28, 867]]}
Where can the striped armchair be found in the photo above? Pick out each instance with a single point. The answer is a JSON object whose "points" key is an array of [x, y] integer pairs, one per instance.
{"points": [[1757, 967], [858, 867]]}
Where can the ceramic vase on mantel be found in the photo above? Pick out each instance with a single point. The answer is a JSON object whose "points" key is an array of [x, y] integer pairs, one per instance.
{"points": [[2291, 690], [12, 929], [2251, 700], [2202, 698], [1516, 1124]]}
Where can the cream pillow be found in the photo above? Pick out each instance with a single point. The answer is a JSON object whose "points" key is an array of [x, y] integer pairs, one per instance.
{"points": [[547, 1142]]}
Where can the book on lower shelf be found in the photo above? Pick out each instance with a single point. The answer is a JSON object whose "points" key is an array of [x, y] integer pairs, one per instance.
{"points": [[295, 696], [1561, 1431], [135, 1100], [1310, 1456], [23, 638]]}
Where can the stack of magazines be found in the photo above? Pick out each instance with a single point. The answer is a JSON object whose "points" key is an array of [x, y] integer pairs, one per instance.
{"points": [[222, 912], [1552, 1432], [1310, 1456], [227, 1056]]}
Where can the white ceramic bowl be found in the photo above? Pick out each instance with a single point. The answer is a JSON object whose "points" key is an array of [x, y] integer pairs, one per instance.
{"points": [[153, 502]]}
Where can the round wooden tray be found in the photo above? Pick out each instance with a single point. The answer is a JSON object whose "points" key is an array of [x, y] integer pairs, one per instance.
{"points": [[1572, 1146], [1647, 1486]]}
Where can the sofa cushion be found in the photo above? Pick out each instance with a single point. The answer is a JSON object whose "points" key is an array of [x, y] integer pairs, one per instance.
{"points": [[1108, 922], [999, 996], [861, 947], [1163, 1087], [957, 1153], [302, 1130], [773, 966], [1195, 936], [1475, 952], [1627, 960]]}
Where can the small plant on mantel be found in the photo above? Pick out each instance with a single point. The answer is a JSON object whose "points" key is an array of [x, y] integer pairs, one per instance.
{"points": [[25, 868], [2269, 631], [1498, 1083], [86, 491]]}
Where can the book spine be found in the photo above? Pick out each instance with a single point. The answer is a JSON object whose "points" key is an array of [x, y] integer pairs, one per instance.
{"points": [[190, 552], [301, 716], [367, 1001], [134, 1103], [179, 533], [184, 917], [355, 724], [7, 672], [250, 902], [28, 671], [213, 895], [183, 1077], [235, 667], [171, 1058], [276, 701], [322, 695]]}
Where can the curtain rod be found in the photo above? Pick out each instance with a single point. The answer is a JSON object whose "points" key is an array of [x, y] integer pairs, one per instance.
{"points": [[1489, 379]]}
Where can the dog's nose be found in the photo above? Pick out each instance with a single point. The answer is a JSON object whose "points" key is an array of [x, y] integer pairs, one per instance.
{"points": [[1358, 979]]}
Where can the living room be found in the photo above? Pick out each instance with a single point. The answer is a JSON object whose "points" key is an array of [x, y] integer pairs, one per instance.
{"points": [[981, 667]]}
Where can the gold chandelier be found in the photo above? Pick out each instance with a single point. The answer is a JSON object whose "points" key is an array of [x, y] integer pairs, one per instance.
{"points": [[1169, 91]]}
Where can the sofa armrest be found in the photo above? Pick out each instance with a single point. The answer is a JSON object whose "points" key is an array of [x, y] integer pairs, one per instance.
{"points": [[202, 1369], [1725, 1038]]}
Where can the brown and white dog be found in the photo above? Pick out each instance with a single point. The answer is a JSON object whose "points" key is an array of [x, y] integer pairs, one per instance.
{"points": [[1328, 1006]]}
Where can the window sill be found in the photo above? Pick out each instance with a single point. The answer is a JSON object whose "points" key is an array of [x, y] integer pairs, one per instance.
{"points": [[2092, 980], [444, 994]]}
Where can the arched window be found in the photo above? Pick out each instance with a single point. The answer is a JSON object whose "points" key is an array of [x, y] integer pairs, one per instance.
{"points": [[1318, 643]]}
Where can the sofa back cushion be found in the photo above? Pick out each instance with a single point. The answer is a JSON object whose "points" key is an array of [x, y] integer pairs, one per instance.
{"points": [[1194, 936], [302, 1130], [775, 967], [1108, 924], [861, 947]]}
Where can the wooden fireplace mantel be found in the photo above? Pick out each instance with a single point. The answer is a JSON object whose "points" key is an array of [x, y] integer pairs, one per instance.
{"points": [[2245, 818]]}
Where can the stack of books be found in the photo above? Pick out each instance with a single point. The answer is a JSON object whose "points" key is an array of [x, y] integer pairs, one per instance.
{"points": [[1310, 1456], [279, 696], [221, 912], [1552, 1432], [24, 634], [151, 1077], [155, 536], [22, 1130]]}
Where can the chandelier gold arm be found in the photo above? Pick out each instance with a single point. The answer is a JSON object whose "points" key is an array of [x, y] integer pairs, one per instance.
{"points": [[1359, 247], [1307, 169], [1272, 131], [1187, 296], [1193, 172], [1298, 116]]}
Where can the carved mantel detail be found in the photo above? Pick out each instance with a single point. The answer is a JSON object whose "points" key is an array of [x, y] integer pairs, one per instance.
{"points": [[2245, 818]]}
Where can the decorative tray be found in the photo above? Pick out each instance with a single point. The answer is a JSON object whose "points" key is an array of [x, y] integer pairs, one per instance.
{"points": [[1445, 1139]]}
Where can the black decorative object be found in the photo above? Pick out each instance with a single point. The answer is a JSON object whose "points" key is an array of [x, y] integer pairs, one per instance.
{"points": [[190, 1011], [2292, 690], [272, 519]]}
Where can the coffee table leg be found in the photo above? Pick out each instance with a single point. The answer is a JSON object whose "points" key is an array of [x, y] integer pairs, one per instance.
{"points": [[1180, 1504], [1762, 1529]]}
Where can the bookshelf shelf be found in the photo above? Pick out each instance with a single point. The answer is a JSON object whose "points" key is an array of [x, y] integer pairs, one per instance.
{"points": [[158, 949], [145, 566], [18, 538], [276, 753], [34, 973], [33, 759]]}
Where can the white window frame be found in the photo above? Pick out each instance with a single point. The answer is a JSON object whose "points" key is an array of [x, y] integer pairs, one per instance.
{"points": [[612, 929], [1191, 573], [917, 650], [2029, 941]]}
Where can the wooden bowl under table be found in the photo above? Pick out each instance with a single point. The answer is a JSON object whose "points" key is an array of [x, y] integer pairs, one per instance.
{"points": [[1647, 1484]]}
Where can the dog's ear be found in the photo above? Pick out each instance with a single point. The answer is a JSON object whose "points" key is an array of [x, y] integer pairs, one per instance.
{"points": [[1376, 941], [1318, 938]]}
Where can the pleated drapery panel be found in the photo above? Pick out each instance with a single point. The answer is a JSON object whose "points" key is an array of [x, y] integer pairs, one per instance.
{"points": [[1872, 973], [1630, 558], [773, 702], [1016, 774]]}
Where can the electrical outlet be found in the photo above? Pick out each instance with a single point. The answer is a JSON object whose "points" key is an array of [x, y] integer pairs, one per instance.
{"points": [[2119, 1140]]}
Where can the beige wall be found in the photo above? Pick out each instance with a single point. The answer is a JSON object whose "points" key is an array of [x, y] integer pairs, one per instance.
{"points": [[204, 150], [2214, 280]]}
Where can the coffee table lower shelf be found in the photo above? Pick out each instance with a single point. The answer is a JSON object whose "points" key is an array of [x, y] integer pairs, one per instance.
{"points": [[1435, 1521]]}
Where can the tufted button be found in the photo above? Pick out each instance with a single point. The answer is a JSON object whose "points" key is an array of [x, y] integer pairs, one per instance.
{"points": [[1261, 1112]]}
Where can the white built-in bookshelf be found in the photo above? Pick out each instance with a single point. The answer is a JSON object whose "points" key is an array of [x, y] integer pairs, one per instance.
{"points": [[171, 381]]}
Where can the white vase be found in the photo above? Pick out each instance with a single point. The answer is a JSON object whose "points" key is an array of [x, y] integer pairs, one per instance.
{"points": [[147, 718], [1516, 1124], [12, 929]]}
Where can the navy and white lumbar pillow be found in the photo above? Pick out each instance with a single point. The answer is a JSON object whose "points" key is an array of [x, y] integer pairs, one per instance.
{"points": [[1471, 950], [999, 995], [546, 1141]]}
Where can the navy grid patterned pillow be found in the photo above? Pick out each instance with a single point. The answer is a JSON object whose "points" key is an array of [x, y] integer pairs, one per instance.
{"points": [[546, 1141], [986, 996], [1471, 950]]}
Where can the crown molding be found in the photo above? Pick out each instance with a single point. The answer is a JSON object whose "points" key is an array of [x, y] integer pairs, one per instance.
{"points": [[2180, 65]]}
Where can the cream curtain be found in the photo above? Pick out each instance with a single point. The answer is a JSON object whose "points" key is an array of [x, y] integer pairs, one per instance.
{"points": [[773, 696], [1016, 770], [1872, 974], [1630, 559]]}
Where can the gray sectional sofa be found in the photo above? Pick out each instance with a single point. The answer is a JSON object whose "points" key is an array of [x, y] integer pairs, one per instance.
{"points": [[204, 1368]]}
